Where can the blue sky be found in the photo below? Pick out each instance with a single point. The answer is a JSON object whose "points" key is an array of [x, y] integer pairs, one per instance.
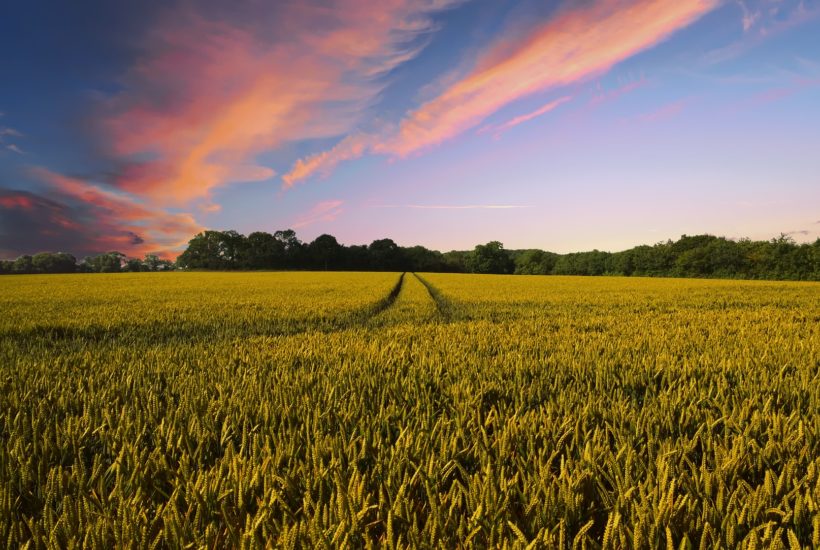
{"points": [[563, 126]]}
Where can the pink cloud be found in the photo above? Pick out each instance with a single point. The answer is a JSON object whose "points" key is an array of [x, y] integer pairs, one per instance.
{"points": [[210, 95], [577, 45], [552, 105], [667, 111], [119, 220], [325, 211], [583, 41], [15, 200], [352, 147], [604, 96], [454, 206]]}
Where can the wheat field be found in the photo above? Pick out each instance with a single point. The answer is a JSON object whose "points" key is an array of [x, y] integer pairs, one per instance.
{"points": [[357, 410]]}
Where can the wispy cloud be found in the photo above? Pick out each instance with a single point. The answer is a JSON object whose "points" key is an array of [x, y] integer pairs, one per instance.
{"points": [[576, 45], [454, 206], [15, 200], [325, 211], [211, 93], [750, 16], [352, 147], [603, 96], [582, 41], [113, 219], [5, 133], [761, 22], [664, 112], [501, 128]]}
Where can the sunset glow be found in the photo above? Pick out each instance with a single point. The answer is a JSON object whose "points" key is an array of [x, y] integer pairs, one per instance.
{"points": [[563, 126]]}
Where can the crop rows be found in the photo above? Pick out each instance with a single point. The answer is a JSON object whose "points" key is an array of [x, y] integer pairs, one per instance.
{"points": [[316, 410]]}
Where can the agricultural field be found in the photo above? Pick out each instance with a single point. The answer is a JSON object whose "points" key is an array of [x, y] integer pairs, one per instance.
{"points": [[352, 410]]}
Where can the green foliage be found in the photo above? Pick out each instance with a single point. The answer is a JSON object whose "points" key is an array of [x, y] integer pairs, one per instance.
{"points": [[112, 262], [534, 262], [490, 258], [47, 262], [371, 410], [690, 256]]}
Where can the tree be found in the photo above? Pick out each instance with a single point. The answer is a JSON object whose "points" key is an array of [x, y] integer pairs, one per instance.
{"points": [[420, 258], [325, 252], [292, 246], [535, 262], [356, 258], [22, 265], [490, 258], [455, 261], [53, 262], [385, 255], [151, 262], [234, 247], [264, 251], [205, 251], [111, 262], [134, 265]]}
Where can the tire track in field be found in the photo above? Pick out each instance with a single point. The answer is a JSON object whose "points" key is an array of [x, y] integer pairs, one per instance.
{"points": [[158, 333], [387, 301], [443, 305]]}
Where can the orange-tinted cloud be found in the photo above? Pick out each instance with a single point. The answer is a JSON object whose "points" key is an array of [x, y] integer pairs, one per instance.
{"points": [[603, 96], [116, 220], [576, 45], [454, 206], [583, 41], [664, 112], [16, 200], [527, 117], [325, 211], [210, 95], [352, 147]]}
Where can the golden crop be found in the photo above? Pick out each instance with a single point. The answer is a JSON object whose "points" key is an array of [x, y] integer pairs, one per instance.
{"points": [[309, 410]]}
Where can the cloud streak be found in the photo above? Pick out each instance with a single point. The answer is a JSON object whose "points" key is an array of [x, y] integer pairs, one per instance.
{"points": [[325, 211], [5, 133], [91, 218], [576, 45], [454, 206], [552, 105], [211, 94], [352, 147], [579, 43]]}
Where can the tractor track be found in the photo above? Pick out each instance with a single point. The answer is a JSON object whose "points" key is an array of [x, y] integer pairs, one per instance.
{"points": [[389, 300], [443, 305]]}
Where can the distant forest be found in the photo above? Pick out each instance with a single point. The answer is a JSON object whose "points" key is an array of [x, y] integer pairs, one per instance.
{"points": [[689, 256]]}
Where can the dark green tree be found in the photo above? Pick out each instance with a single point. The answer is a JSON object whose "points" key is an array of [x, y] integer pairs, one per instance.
{"points": [[325, 253], [53, 262], [22, 265], [490, 258], [110, 262], [386, 255], [534, 262], [293, 247], [264, 251], [134, 265]]}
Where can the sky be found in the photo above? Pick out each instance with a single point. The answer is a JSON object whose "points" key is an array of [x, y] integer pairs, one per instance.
{"points": [[560, 125]]}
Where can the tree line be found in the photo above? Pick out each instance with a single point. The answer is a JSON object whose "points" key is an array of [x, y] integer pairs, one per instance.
{"points": [[61, 262], [689, 256]]}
